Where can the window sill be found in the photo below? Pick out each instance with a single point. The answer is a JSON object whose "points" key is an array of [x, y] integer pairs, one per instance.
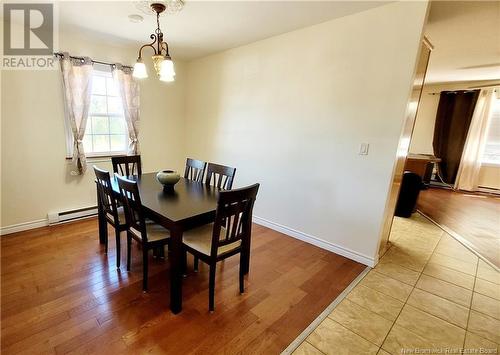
{"points": [[98, 157], [490, 165]]}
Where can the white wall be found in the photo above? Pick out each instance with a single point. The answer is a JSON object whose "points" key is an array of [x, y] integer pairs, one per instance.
{"points": [[291, 111], [35, 179], [423, 133]]}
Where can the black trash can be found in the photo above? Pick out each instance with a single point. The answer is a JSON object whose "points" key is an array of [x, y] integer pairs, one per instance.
{"points": [[408, 195]]}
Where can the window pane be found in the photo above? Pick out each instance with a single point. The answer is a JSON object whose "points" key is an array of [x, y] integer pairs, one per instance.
{"points": [[115, 105], [98, 85], [101, 143], [491, 152], [88, 127], [100, 125], [98, 104], [118, 142], [106, 129], [87, 143], [117, 125], [112, 90]]}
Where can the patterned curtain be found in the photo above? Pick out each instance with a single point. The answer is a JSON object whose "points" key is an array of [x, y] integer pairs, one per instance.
{"points": [[128, 89], [77, 87], [468, 172]]}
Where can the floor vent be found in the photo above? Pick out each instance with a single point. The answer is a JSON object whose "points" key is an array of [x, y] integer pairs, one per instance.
{"points": [[66, 216]]}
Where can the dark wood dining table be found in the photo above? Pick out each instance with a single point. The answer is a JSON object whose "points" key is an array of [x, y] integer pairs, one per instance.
{"points": [[189, 205]]}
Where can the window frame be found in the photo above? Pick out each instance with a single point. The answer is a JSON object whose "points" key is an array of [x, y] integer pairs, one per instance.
{"points": [[496, 103], [106, 70]]}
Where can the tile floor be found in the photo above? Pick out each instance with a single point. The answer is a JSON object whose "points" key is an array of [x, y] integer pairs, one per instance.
{"points": [[428, 294]]}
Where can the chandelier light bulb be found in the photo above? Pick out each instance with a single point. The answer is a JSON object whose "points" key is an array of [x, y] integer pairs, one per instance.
{"points": [[167, 69], [167, 79], [140, 71]]}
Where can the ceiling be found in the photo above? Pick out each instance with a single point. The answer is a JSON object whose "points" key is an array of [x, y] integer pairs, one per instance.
{"points": [[204, 27], [466, 37]]}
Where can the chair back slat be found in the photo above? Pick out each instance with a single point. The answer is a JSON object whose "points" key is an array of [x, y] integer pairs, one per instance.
{"points": [[132, 205], [127, 165], [195, 169], [222, 176], [105, 194], [234, 216]]}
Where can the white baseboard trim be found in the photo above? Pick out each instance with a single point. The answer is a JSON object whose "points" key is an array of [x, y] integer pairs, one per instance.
{"points": [[323, 244], [23, 226], [39, 223]]}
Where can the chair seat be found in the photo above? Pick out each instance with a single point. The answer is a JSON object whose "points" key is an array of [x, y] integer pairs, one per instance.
{"points": [[121, 216], [154, 231], [200, 239]]}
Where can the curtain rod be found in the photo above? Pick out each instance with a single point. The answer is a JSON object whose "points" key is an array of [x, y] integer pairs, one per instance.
{"points": [[450, 91], [485, 86], [59, 54], [470, 88]]}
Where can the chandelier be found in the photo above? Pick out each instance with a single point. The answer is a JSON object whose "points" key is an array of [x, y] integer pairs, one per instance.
{"points": [[162, 62]]}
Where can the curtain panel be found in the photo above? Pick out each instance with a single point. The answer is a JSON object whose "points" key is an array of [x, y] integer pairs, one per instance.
{"points": [[77, 88], [470, 164], [453, 119], [128, 89]]}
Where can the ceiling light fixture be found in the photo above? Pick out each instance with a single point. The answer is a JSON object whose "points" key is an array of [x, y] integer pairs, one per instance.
{"points": [[162, 62]]}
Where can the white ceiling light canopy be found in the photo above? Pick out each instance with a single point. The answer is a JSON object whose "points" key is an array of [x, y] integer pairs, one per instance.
{"points": [[135, 18]]}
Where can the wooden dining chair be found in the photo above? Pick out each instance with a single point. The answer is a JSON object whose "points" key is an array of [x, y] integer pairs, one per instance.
{"points": [[147, 233], [221, 175], [229, 235], [127, 165], [113, 213], [195, 170]]}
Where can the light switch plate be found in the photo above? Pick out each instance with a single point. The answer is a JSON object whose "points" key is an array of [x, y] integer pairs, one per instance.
{"points": [[363, 149]]}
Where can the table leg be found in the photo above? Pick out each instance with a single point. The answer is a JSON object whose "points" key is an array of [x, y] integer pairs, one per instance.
{"points": [[103, 224], [176, 270]]}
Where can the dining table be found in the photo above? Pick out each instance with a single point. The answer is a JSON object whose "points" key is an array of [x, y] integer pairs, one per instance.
{"points": [[188, 205]]}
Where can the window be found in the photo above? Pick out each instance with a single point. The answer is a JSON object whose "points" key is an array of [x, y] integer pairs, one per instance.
{"points": [[491, 153], [106, 130]]}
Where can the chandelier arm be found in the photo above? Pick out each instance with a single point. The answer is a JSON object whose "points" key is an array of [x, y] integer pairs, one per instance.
{"points": [[164, 45], [153, 37]]}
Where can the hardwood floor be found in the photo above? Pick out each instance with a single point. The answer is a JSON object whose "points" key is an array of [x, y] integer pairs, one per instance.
{"points": [[61, 293], [475, 217]]}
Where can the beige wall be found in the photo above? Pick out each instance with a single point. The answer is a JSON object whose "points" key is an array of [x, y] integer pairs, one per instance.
{"points": [[423, 132], [291, 112], [35, 179]]}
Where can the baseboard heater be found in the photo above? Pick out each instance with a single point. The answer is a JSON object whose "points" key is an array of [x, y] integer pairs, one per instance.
{"points": [[66, 216]]}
